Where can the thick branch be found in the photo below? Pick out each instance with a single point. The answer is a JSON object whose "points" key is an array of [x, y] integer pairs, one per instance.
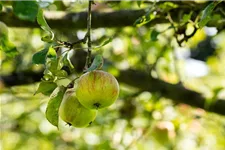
{"points": [[60, 20], [177, 93], [121, 18]]}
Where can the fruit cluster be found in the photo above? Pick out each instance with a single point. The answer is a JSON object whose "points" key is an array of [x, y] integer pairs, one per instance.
{"points": [[95, 90]]}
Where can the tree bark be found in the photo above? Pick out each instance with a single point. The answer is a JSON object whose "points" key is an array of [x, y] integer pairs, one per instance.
{"points": [[122, 18]]}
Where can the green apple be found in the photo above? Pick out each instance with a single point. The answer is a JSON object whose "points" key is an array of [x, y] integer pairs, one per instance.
{"points": [[73, 113], [97, 89]]}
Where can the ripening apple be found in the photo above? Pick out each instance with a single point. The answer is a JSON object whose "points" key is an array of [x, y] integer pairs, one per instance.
{"points": [[97, 89], [73, 113]]}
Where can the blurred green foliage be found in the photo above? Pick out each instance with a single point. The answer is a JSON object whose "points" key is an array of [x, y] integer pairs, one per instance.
{"points": [[139, 120]]}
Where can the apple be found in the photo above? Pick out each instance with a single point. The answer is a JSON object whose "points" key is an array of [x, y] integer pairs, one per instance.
{"points": [[97, 89], [73, 113]]}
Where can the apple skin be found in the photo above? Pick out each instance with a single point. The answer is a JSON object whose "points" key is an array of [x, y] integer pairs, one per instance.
{"points": [[73, 113], [97, 89]]}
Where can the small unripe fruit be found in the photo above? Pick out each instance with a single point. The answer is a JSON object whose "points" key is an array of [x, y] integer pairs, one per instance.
{"points": [[97, 89], [73, 113]]}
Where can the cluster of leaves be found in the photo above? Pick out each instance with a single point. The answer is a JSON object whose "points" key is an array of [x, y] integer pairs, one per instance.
{"points": [[154, 10], [53, 62]]}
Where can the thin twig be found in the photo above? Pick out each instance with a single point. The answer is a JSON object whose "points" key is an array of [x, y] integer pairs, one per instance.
{"points": [[88, 36]]}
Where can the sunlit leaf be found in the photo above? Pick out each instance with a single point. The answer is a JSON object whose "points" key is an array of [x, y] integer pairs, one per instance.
{"points": [[96, 64], [46, 88], [149, 16], [52, 53], [206, 14], [44, 25], [187, 17], [167, 6], [53, 105], [40, 57], [26, 10]]}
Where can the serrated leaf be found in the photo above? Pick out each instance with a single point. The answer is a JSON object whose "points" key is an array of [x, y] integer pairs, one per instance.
{"points": [[40, 57], [104, 43], [154, 35], [46, 88], [206, 14], [44, 25], [96, 64], [149, 16], [25, 10], [53, 105]]}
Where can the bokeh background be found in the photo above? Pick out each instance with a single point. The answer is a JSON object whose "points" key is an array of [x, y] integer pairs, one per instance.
{"points": [[139, 120]]}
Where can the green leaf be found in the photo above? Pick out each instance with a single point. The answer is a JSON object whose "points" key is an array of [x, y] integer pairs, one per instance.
{"points": [[42, 22], [149, 16], [187, 17], [26, 10], [51, 53], [53, 105], [40, 57], [0, 7], [96, 64], [54, 65], [5, 45], [206, 14], [8, 47], [67, 62], [61, 74], [154, 35], [139, 2], [167, 6], [63, 82], [104, 43], [46, 88]]}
